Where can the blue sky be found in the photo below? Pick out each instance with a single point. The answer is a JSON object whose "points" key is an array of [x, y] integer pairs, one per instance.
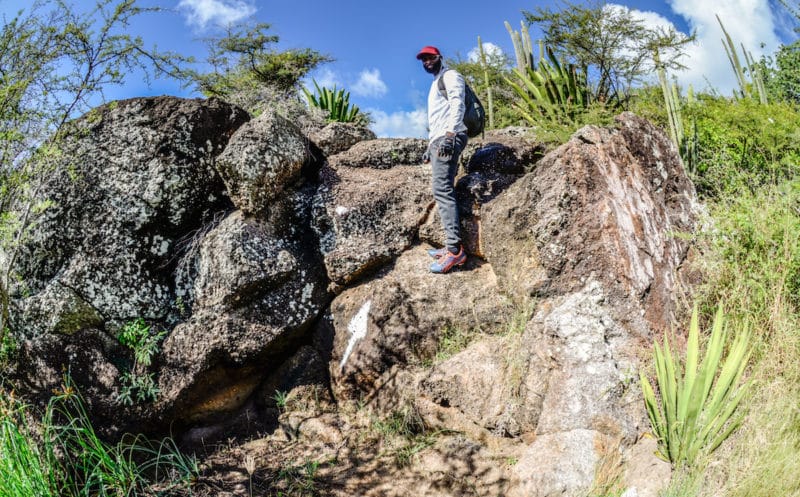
{"points": [[374, 43]]}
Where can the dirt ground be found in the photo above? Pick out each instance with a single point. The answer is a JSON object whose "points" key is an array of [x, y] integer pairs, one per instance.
{"points": [[352, 451]]}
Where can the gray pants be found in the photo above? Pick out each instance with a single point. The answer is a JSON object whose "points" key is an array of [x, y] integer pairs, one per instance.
{"points": [[444, 174]]}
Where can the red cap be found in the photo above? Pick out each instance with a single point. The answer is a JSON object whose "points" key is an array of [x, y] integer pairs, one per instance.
{"points": [[428, 50]]}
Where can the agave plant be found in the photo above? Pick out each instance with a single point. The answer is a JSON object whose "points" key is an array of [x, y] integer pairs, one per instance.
{"points": [[697, 412], [335, 102], [551, 88]]}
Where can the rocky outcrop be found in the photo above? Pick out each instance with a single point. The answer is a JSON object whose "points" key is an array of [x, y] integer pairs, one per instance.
{"points": [[339, 137], [365, 218], [275, 261], [262, 158], [606, 206], [398, 316]]}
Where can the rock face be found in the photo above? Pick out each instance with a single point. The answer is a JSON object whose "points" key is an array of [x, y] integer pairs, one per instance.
{"points": [[272, 260], [123, 196], [605, 206], [256, 170]]}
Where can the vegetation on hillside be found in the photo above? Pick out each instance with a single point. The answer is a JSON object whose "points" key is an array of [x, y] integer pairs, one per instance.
{"points": [[742, 153]]}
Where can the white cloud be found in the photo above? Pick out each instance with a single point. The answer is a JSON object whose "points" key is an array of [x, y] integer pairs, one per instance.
{"points": [[401, 124], [490, 49], [748, 22], [221, 12], [369, 84]]}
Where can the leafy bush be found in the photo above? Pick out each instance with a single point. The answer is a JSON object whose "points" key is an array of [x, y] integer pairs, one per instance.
{"points": [[743, 145], [692, 418], [137, 383], [751, 258]]}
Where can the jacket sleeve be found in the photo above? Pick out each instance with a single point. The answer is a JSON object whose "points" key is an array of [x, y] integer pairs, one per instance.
{"points": [[454, 83]]}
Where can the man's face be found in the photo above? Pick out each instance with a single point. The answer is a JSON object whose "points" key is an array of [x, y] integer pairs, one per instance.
{"points": [[431, 63]]}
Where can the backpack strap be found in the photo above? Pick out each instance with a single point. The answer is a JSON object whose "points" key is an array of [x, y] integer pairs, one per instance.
{"points": [[442, 89]]}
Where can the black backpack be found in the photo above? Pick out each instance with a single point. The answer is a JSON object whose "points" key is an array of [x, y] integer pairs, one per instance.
{"points": [[474, 115]]}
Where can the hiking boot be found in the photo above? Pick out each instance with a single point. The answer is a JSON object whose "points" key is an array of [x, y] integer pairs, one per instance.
{"points": [[447, 261], [436, 253]]}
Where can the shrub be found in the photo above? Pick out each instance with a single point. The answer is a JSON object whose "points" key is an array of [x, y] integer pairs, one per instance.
{"points": [[743, 145], [751, 258], [137, 383]]}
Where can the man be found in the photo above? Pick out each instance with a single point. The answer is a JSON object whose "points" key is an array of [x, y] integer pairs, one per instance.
{"points": [[447, 138]]}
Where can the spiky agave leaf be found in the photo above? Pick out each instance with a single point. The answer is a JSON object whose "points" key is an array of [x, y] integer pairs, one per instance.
{"points": [[698, 411]]}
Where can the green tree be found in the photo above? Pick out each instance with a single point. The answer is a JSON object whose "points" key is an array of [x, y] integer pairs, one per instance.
{"points": [[55, 64], [610, 42], [245, 59], [782, 74]]}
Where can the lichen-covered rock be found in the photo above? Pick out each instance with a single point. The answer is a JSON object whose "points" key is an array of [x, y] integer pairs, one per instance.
{"points": [[337, 137], [238, 261], [262, 158], [56, 309], [255, 287], [133, 180], [382, 153], [366, 217], [141, 226]]}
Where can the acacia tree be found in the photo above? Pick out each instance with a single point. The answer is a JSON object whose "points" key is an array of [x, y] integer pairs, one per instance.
{"points": [[244, 63], [611, 43], [54, 64]]}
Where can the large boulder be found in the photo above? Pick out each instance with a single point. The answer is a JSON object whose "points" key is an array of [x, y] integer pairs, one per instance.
{"points": [[134, 179], [262, 158], [256, 290], [141, 225], [366, 217], [608, 205], [337, 137], [382, 153]]}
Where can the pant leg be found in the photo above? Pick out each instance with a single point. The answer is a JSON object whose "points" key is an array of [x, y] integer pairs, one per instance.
{"points": [[444, 174]]}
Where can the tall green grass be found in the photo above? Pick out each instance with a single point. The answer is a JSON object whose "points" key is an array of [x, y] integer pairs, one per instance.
{"points": [[751, 260], [25, 469], [62, 455]]}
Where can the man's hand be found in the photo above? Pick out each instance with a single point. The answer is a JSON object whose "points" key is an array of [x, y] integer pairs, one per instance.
{"points": [[447, 147], [426, 156]]}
